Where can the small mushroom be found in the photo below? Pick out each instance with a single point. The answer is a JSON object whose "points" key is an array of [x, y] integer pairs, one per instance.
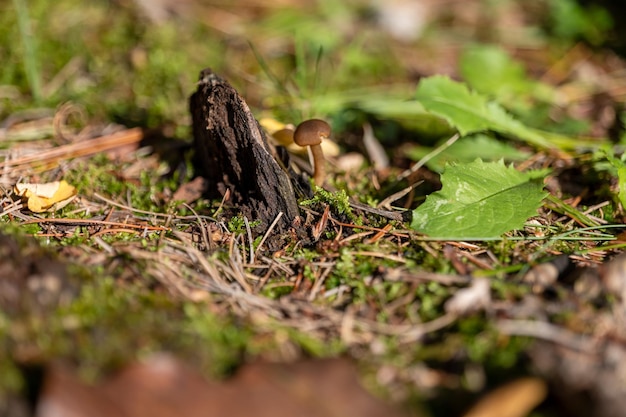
{"points": [[310, 133]]}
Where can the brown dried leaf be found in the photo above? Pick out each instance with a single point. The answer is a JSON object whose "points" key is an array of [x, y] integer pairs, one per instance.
{"points": [[515, 399], [164, 387], [190, 191]]}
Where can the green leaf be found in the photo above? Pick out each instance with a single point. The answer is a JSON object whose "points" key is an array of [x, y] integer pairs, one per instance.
{"points": [[471, 112], [467, 149], [480, 200], [411, 114], [616, 166], [571, 20], [621, 177], [490, 70]]}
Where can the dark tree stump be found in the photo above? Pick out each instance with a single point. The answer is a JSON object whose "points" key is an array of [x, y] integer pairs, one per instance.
{"points": [[233, 154]]}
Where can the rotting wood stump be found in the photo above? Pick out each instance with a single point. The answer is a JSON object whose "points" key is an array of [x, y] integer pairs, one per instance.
{"points": [[233, 154]]}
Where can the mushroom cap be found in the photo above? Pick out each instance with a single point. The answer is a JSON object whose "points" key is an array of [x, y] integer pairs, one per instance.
{"points": [[311, 132]]}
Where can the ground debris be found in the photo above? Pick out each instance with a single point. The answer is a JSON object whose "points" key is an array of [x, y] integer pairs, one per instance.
{"points": [[585, 383], [163, 386], [31, 278]]}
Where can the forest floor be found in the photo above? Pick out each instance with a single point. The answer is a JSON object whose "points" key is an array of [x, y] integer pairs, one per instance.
{"points": [[461, 259]]}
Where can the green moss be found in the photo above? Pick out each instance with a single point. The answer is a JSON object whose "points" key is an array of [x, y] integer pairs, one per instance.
{"points": [[338, 202], [218, 342], [237, 224], [131, 69]]}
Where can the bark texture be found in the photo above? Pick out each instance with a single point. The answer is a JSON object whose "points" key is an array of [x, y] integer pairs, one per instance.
{"points": [[233, 154]]}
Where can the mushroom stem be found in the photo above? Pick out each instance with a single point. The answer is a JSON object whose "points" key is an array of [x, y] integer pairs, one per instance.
{"points": [[319, 167]]}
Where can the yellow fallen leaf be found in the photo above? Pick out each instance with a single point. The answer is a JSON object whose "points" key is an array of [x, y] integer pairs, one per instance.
{"points": [[284, 137], [49, 196], [282, 134], [272, 125]]}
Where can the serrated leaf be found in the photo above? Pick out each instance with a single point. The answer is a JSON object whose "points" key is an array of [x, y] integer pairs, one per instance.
{"points": [[467, 149], [471, 112], [479, 200], [411, 114], [489, 69]]}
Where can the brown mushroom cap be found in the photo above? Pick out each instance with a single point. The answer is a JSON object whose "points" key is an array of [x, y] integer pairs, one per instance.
{"points": [[311, 132]]}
